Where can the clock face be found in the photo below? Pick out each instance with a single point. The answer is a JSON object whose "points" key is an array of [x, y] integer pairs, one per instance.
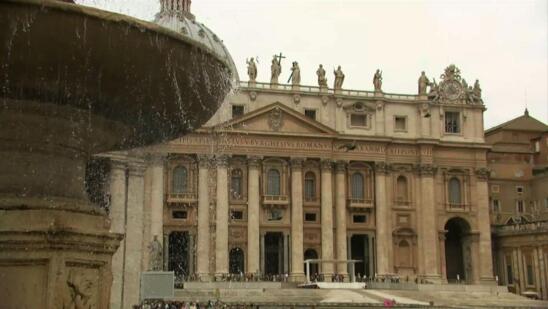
{"points": [[451, 89]]}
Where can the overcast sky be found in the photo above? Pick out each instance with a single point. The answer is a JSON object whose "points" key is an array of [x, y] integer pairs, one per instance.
{"points": [[502, 43]]}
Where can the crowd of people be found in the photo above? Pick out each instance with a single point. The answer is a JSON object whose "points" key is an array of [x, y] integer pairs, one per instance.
{"points": [[239, 277], [165, 304]]}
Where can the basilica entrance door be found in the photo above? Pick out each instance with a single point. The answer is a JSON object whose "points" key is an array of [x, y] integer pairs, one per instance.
{"points": [[457, 258], [179, 254], [274, 253], [359, 250]]}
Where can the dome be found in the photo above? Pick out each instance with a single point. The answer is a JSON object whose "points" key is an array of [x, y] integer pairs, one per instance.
{"points": [[176, 16]]}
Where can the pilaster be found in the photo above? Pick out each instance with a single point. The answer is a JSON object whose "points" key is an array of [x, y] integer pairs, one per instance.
{"points": [[484, 228], [340, 205], [327, 217], [202, 265], [221, 233], [297, 258], [382, 214], [253, 219]]}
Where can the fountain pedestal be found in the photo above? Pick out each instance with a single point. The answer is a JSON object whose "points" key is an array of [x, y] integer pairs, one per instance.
{"points": [[76, 81]]}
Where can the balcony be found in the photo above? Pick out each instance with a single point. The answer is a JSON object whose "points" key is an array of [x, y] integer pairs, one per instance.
{"points": [[182, 198], [357, 204], [277, 200]]}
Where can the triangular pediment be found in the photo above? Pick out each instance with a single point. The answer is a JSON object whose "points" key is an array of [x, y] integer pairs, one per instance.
{"points": [[276, 118], [522, 123]]}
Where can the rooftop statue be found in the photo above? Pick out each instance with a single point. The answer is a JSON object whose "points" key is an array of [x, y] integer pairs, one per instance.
{"points": [[477, 89], [251, 69], [275, 70], [295, 77], [322, 80], [339, 78], [434, 90], [377, 80], [423, 83]]}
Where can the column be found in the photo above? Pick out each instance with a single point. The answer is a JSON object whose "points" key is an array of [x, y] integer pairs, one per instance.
{"points": [[340, 204], [297, 253], [117, 216], [262, 253], [202, 267], [327, 218], [221, 233], [429, 232], [157, 198], [253, 219], [382, 214], [443, 266], [134, 237], [484, 228]]}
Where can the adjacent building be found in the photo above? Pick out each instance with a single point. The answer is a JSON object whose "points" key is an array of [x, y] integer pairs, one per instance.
{"points": [[518, 195]]}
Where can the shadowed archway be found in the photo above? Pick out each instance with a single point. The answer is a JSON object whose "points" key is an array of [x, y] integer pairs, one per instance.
{"points": [[457, 250]]}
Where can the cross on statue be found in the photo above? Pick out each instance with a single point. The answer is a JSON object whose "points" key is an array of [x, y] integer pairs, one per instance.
{"points": [[279, 57]]}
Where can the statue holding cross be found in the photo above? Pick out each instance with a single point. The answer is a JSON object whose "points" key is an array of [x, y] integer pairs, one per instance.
{"points": [[276, 68]]}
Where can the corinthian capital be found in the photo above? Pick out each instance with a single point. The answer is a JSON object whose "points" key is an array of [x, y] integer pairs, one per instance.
{"points": [[340, 166], [327, 164], [482, 173], [296, 162], [253, 161], [221, 160], [426, 169], [204, 160], [382, 167]]}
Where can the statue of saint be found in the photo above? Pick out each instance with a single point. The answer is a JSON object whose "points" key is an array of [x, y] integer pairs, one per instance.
{"points": [[322, 80], [339, 78], [477, 89], [276, 70], [377, 80], [156, 260], [434, 93], [295, 74], [423, 83], [251, 69]]}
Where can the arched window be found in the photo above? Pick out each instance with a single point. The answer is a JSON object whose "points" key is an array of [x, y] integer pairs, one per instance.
{"points": [[273, 182], [401, 188], [454, 191], [309, 186], [357, 186], [236, 183], [180, 180]]}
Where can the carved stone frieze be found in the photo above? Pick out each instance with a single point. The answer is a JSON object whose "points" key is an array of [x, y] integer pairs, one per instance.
{"points": [[275, 119], [296, 98]]}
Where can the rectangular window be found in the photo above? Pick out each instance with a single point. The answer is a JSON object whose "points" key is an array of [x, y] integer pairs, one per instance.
{"points": [[496, 206], [358, 120], [310, 113], [519, 206], [400, 123], [529, 270], [546, 203], [310, 217], [236, 215], [237, 110], [275, 215], [359, 218], [179, 214], [452, 122], [519, 189]]}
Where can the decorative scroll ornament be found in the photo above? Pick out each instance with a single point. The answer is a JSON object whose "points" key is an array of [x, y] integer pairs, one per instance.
{"points": [[451, 88], [275, 119]]}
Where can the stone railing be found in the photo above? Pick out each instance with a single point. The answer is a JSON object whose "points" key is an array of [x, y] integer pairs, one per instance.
{"points": [[275, 199], [537, 226], [357, 203], [329, 91], [182, 197]]}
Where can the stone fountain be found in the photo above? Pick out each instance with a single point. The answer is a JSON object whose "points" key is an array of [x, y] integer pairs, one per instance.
{"points": [[75, 81]]}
